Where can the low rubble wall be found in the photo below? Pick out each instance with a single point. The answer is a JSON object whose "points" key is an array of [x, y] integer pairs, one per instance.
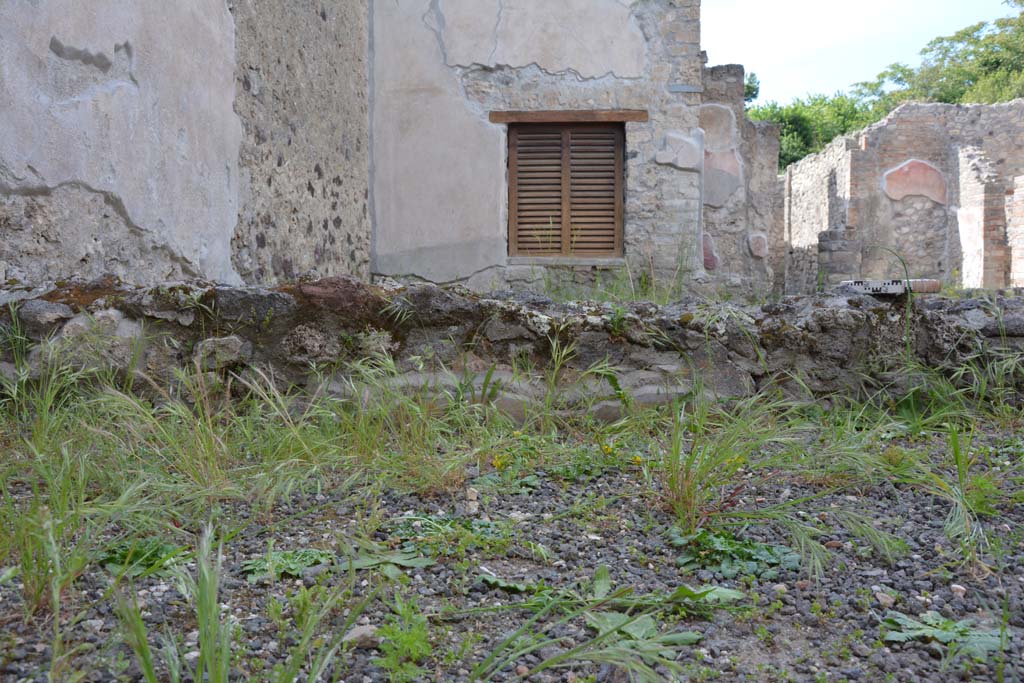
{"points": [[309, 334]]}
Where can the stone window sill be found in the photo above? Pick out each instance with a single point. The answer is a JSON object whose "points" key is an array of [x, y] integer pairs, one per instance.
{"points": [[575, 261]]}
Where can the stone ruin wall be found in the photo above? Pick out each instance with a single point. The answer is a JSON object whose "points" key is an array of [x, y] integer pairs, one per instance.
{"points": [[261, 169], [816, 197], [118, 146], [246, 179], [449, 341], [303, 98], [1015, 229], [157, 140], [742, 211], [979, 221], [934, 183]]}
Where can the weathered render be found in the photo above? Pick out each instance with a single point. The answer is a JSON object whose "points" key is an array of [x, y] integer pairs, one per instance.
{"points": [[933, 187], [124, 149], [264, 140], [440, 178], [118, 141]]}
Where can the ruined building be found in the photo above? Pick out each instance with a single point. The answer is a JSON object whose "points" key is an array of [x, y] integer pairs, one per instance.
{"points": [[489, 142], [934, 190], [482, 141]]}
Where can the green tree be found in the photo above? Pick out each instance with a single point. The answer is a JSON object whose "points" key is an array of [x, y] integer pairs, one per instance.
{"points": [[808, 124], [983, 63], [751, 88]]}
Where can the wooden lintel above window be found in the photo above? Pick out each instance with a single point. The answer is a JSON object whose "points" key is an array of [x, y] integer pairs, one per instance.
{"points": [[582, 116]]}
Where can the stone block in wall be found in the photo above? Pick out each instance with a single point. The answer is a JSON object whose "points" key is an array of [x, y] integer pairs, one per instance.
{"points": [[682, 151], [221, 353], [758, 244], [40, 319]]}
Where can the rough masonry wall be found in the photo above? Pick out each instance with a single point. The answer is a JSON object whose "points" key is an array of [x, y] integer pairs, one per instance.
{"points": [[816, 198], [302, 96], [445, 340], [118, 142], [440, 66], [929, 182], [742, 216], [903, 174], [981, 222]]}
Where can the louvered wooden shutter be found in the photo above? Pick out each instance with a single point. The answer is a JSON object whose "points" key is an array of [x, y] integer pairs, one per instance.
{"points": [[566, 190]]}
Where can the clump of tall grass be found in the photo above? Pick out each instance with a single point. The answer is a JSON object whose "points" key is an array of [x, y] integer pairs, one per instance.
{"points": [[711, 449], [309, 659], [189, 442], [995, 382], [419, 437], [216, 632]]}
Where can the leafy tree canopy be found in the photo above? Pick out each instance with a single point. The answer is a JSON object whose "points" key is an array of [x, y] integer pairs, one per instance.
{"points": [[983, 63], [751, 88]]}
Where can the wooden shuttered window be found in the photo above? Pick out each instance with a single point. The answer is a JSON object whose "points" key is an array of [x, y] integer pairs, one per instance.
{"points": [[566, 189]]}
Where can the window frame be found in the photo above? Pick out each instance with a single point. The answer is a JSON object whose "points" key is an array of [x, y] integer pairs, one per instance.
{"points": [[567, 127]]}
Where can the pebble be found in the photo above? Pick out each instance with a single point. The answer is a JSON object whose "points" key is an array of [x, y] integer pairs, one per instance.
{"points": [[861, 650], [885, 600], [363, 637]]}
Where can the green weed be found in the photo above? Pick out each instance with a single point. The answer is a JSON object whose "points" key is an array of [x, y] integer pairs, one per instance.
{"points": [[277, 563], [730, 556], [961, 637], [405, 642]]}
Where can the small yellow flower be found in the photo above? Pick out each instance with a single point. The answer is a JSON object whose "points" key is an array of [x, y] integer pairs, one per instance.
{"points": [[498, 463], [637, 460], [608, 449]]}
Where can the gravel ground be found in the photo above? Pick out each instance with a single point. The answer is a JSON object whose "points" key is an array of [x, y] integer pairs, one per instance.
{"points": [[787, 628]]}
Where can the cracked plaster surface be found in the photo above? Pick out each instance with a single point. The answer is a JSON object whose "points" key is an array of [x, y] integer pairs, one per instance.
{"points": [[682, 150], [440, 66], [438, 173], [118, 139], [590, 38]]}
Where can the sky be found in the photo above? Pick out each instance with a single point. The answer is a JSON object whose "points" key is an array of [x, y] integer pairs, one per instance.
{"points": [[800, 47]]}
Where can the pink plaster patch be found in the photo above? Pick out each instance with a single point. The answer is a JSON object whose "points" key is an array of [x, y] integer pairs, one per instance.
{"points": [[915, 178], [727, 162], [710, 256]]}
